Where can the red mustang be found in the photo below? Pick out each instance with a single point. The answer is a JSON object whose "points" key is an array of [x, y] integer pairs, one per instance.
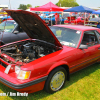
{"points": [[46, 60]]}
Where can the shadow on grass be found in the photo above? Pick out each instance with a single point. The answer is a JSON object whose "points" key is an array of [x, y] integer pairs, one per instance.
{"points": [[42, 94]]}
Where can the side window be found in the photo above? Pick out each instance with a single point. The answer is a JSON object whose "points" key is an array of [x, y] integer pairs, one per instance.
{"points": [[89, 38], [98, 35]]}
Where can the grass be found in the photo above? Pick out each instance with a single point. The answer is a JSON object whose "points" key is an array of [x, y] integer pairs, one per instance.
{"points": [[83, 85]]}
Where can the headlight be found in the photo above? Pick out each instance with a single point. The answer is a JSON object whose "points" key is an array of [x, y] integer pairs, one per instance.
{"points": [[24, 74], [17, 69]]}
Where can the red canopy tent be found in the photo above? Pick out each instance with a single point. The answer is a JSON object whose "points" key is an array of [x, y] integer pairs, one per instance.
{"points": [[47, 7]]}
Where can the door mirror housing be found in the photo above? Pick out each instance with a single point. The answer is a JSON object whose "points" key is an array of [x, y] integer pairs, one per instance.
{"points": [[83, 46]]}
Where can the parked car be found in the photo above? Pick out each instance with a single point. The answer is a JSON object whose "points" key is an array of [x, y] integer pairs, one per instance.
{"points": [[79, 20], [49, 56], [10, 31]]}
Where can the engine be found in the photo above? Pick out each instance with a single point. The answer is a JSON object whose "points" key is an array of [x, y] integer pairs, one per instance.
{"points": [[27, 51]]}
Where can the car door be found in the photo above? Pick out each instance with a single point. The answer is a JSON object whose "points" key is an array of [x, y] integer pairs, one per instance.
{"points": [[92, 52], [86, 56]]}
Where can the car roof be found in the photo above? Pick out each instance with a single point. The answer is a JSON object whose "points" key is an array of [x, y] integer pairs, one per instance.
{"points": [[78, 27]]}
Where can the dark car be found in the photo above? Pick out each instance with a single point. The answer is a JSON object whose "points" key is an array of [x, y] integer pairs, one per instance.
{"points": [[10, 31], [49, 56]]}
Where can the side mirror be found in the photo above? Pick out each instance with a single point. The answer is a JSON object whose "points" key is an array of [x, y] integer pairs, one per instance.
{"points": [[15, 32], [83, 46]]}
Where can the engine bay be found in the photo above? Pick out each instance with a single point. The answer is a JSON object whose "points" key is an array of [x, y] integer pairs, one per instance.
{"points": [[27, 51]]}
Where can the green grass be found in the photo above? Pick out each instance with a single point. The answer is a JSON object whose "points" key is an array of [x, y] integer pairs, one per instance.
{"points": [[83, 85]]}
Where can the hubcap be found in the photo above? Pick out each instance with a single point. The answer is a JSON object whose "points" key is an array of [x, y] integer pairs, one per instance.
{"points": [[57, 81]]}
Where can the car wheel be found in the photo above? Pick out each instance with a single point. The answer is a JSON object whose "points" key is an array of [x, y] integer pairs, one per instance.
{"points": [[55, 80]]}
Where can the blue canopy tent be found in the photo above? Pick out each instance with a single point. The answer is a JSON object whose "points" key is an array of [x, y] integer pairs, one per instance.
{"points": [[96, 12], [79, 9]]}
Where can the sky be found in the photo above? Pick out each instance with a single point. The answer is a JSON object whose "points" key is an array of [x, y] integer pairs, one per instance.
{"points": [[15, 3]]}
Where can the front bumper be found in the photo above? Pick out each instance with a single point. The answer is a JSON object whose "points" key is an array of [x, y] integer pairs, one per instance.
{"points": [[21, 86], [28, 86]]}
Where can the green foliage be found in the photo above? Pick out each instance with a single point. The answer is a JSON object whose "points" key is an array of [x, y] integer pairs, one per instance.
{"points": [[28, 6], [36, 6], [24, 7], [67, 3]]}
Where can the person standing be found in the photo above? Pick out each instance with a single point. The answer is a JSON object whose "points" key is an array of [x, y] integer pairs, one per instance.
{"points": [[57, 20]]}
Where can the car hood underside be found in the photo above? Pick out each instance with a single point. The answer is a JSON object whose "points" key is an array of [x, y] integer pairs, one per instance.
{"points": [[34, 26]]}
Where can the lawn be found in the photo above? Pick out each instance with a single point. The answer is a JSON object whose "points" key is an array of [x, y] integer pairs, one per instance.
{"points": [[83, 85]]}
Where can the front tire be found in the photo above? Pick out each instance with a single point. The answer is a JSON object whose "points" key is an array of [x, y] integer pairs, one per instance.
{"points": [[55, 80]]}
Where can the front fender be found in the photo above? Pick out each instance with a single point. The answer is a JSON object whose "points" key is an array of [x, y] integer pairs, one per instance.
{"points": [[56, 65]]}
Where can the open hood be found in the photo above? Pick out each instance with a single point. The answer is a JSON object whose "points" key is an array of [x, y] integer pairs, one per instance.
{"points": [[34, 26]]}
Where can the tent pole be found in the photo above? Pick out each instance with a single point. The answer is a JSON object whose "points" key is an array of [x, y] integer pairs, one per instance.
{"points": [[84, 18], [51, 19], [51, 13]]}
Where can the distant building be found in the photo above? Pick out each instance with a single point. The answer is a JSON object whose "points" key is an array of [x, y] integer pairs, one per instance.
{"points": [[95, 8], [3, 6]]}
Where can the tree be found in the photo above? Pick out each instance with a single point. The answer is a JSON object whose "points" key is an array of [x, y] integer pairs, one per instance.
{"points": [[67, 3], [36, 6], [22, 6], [28, 6]]}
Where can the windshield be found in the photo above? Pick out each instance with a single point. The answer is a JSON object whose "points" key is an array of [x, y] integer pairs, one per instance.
{"points": [[66, 36], [7, 26]]}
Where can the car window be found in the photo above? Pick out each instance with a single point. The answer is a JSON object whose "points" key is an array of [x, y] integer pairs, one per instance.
{"points": [[98, 35], [7, 26], [89, 38], [66, 36]]}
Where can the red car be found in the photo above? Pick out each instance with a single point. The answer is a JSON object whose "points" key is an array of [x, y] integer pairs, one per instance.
{"points": [[79, 20], [46, 60]]}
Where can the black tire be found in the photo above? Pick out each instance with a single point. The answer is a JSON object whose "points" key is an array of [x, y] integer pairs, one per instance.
{"points": [[55, 80]]}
